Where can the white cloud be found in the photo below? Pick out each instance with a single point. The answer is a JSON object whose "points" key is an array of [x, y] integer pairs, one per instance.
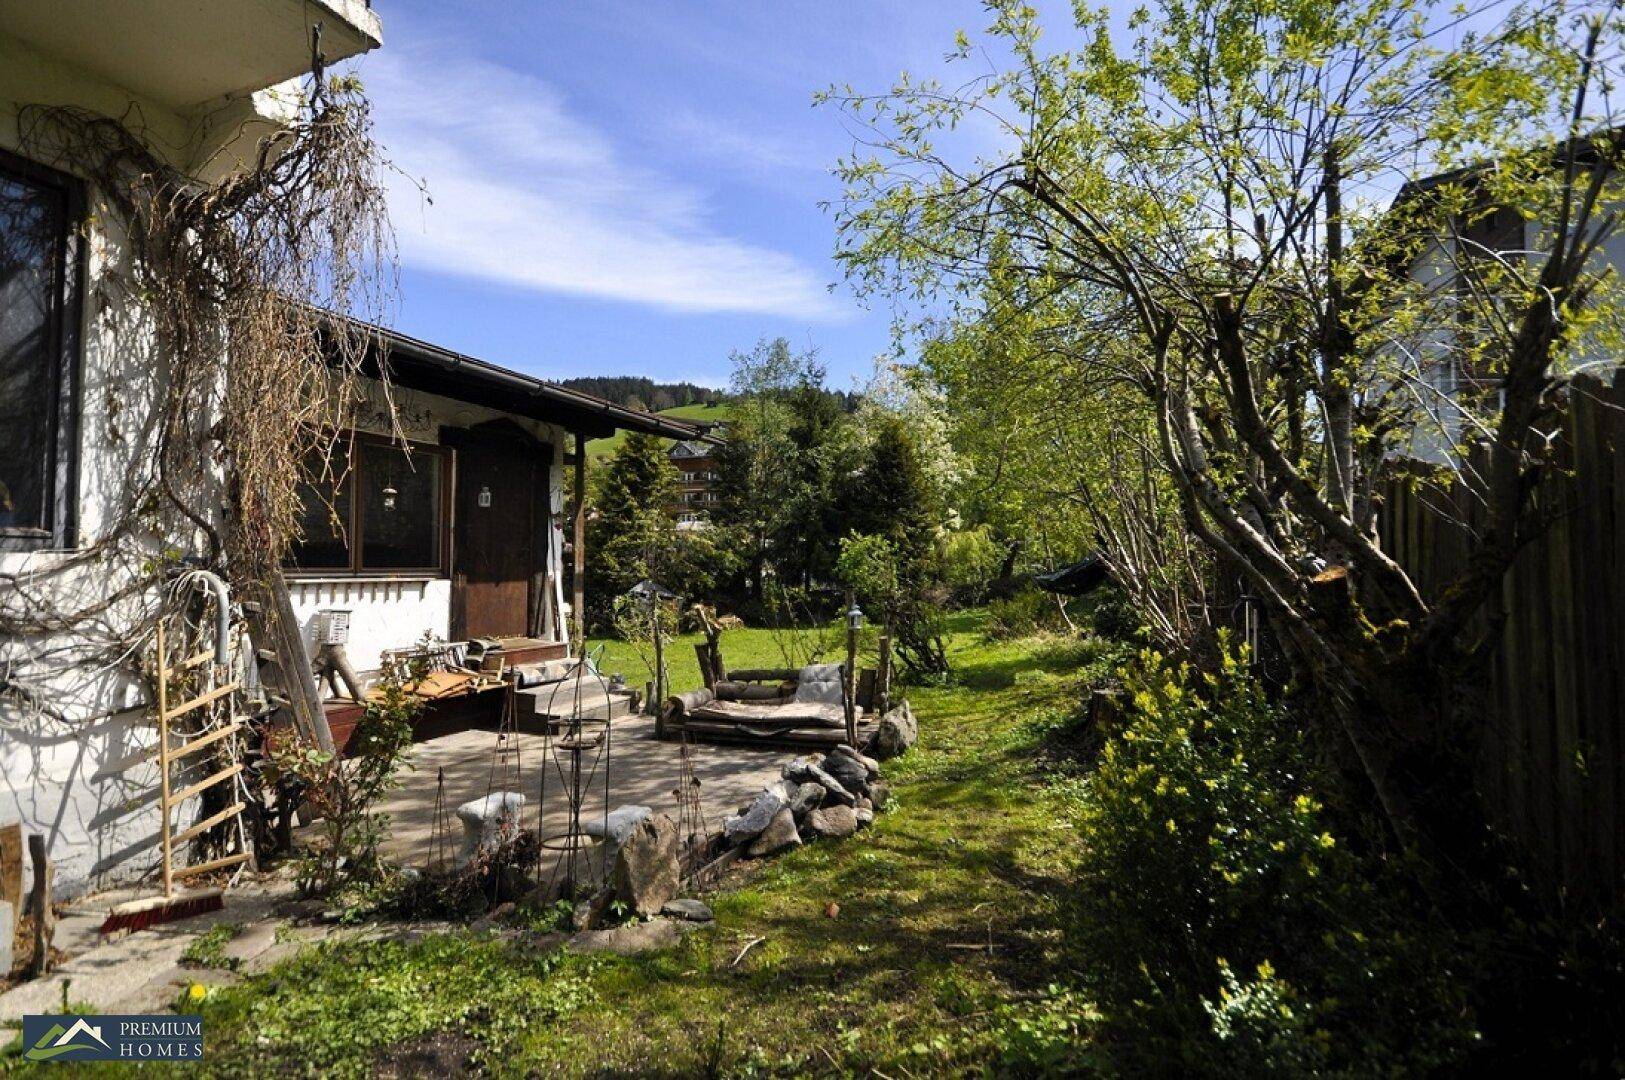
{"points": [[525, 194]]}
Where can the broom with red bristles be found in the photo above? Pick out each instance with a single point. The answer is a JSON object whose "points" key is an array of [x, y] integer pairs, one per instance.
{"points": [[153, 910]]}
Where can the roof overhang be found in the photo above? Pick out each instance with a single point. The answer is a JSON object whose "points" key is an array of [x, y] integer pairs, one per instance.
{"points": [[419, 365], [184, 53]]}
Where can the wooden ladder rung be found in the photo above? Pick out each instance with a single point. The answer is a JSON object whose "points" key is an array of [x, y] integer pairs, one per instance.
{"points": [[208, 823], [194, 660], [207, 782], [184, 749], [202, 700], [212, 864], [208, 740]]}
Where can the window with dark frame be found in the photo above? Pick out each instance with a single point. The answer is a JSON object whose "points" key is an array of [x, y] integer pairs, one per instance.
{"points": [[39, 283], [375, 507]]}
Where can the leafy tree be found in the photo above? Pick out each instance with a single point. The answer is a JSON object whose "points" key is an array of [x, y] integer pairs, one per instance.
{"points": [[1196, 223], [630, 531], [896, 512], [790, 444]]}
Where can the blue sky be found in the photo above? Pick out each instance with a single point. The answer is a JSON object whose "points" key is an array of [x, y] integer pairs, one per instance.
{"points": [[633, 188]]}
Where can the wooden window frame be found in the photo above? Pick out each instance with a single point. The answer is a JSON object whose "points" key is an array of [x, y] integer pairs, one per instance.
{"points": [[354, 534], [60, 530]]}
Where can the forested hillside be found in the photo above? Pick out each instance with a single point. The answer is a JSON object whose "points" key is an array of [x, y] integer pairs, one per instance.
{"points": [[638, 392]]}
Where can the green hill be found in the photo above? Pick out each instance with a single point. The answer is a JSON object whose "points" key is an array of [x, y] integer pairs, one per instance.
{"points": [[599, 449]]}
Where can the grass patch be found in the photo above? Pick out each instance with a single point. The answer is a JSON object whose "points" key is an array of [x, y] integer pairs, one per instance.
{"points": [[208, 949], [599, 449], [943, 956]]}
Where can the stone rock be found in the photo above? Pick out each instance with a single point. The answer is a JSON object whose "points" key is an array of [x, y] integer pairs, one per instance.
{"points": [[618, 825], [749, 823], [780, 834], [809, 796], [809, 771], [488, 823], [688, 910], [799, 770], [832, 822], [896, 732], [851, 773], [880, 794], [864, 815], [870, 765], [864, 803], [633, 938], [646, 868], [8, 934], [588, 913]]}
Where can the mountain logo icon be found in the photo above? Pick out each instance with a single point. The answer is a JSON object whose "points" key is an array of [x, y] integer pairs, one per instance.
{"points": [[81, 1035]]}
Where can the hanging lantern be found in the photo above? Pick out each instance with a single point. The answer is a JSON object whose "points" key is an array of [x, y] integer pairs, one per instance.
{"points": [[389, 497]]}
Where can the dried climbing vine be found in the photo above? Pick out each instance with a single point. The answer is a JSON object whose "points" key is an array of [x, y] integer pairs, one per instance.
{"points": [[249, 304]]}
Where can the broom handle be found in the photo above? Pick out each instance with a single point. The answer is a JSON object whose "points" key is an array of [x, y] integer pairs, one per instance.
{"points": [[163, 758]]}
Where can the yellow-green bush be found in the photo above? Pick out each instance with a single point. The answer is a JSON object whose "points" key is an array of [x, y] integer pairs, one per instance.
{"points": [[1227, 926]]}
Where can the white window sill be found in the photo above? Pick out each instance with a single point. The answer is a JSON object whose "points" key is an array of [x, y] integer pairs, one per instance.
{"points": [[315, 578]]}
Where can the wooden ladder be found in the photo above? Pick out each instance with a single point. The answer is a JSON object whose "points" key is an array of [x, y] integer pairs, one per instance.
{"points": [[168, 754], [285, 668]]}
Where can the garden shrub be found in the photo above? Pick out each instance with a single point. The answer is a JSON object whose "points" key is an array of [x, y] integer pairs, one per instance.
{"points": [[1228, 926], [345, 790], [1027, 612], [1112, 615]]}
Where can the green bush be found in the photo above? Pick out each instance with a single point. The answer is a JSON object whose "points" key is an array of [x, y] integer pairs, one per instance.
{"points": [[1112, 615], [1227, 926], [1028, 612]]}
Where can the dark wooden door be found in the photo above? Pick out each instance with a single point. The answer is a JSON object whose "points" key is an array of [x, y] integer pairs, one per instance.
{"points": [[496, 549]]}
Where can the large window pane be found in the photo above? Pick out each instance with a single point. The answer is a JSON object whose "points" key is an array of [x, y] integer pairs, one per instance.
{"points": [[400, 508], [33, 230], [324, 518]]}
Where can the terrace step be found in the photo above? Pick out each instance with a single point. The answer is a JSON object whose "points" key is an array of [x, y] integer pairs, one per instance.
{"points": [[552, 702]]}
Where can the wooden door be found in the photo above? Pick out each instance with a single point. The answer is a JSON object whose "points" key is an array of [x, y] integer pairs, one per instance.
{"points": [[496, 549]]}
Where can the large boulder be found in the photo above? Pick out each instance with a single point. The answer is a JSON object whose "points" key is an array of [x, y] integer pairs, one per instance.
{"points": [[749, 824], [896, 732], [646, 868], [832, 822], [780, 834]]}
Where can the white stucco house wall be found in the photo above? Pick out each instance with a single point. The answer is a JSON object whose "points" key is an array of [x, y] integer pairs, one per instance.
{"points": [[460, 535], [1436, 379]]}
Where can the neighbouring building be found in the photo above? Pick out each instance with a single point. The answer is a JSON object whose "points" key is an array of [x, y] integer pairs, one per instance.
{"points": [[463, 537], [697, 492]]}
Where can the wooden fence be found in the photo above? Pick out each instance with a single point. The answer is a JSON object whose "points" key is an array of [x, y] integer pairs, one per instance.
{"points": [[1553, 770]]}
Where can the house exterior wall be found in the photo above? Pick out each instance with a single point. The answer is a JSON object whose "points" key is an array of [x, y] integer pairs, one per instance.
{"points": [[697, 494], [1439, 385], [76, 773], [396, 611]]}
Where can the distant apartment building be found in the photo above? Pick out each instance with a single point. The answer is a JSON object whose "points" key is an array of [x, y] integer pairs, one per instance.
{"points": [[697, 477]]}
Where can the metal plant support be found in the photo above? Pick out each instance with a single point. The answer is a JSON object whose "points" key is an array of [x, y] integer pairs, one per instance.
{"points": [[575, 774]]}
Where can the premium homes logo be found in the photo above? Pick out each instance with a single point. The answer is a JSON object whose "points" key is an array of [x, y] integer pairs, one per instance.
{"points": [[112, 1038]]}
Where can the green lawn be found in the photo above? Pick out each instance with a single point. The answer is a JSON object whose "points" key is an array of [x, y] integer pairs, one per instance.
{"points": [[598, 449], [939, 960]]}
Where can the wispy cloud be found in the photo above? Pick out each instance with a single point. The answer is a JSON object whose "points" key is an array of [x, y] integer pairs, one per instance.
{"points": [[526, 194]]}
